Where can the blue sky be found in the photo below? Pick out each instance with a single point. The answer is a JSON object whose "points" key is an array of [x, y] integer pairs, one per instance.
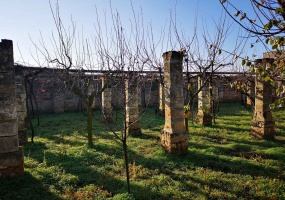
{"points": [[21, 20]]}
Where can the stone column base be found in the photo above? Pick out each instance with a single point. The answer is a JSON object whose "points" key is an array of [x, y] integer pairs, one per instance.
{"points": [[262, 130], [107, 115], [134, 128], [174, 143], [12, 164], [204, 119]]}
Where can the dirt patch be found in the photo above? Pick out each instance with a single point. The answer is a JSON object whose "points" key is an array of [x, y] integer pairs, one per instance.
{"points": [[250, 155], [217, 139]]}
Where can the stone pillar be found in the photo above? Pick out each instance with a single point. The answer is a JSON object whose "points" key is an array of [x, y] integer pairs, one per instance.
{"points": [[21, 97], [174, 138], [142, 96], [93, 87], [204, 116], [161, 107], [58, 102], [107, 99], [215, 102], [133, 124], [262, 125], [251, 90], [141, 99], [11, 155]]}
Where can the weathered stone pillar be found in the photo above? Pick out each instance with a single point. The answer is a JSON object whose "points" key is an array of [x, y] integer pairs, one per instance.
{"points": [[107, 99], [133, 124], [93, 87], [21, 96], [204, 116], [161, 107], [58, 102], [174, 138], [215, 101], [251, 91], [141, 100], [11, 156], [262, 125]]}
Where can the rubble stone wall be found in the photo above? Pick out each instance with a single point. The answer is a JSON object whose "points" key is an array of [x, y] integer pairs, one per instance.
{"points": [[46, 90]]}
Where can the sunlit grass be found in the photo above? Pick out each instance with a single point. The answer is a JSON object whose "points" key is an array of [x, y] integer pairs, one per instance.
{"points": [[223, 161]]}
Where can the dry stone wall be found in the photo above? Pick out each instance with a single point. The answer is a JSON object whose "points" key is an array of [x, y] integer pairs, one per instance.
{"points": [[51, 96]]}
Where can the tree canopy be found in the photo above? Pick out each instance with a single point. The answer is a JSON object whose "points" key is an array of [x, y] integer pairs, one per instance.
{"points": [[266, 23]]}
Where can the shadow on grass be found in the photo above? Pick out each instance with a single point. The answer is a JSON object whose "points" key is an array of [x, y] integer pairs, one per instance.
{"points": [[35, 150], [63, 139], [25, 187], [209, 160], [150, 136], [95, 168], [102, 164], [216, 132], [261, 143]]}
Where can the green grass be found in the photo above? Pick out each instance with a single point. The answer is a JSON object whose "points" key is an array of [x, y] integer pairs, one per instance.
{"points": [[223, 161]]}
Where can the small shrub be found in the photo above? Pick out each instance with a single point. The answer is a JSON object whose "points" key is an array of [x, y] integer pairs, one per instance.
{"points": [[89, 192]]}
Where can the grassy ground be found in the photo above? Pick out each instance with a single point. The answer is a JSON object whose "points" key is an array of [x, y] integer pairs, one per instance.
{"points": [[223, 161]]}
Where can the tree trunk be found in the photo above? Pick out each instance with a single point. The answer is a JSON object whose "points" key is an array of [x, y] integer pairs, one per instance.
{"points": [[186, 124], [89, 125], [125, 147]]}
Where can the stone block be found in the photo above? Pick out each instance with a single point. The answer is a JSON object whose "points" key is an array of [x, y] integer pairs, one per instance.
{"points": [[204, 119], [8, 112], [262, 130], [9, 143], [174, 143], [178, 126], [8, 128], [134, 128], [132, 103], [12, 163], [173, 114], [175, 125], [132, 111]]}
